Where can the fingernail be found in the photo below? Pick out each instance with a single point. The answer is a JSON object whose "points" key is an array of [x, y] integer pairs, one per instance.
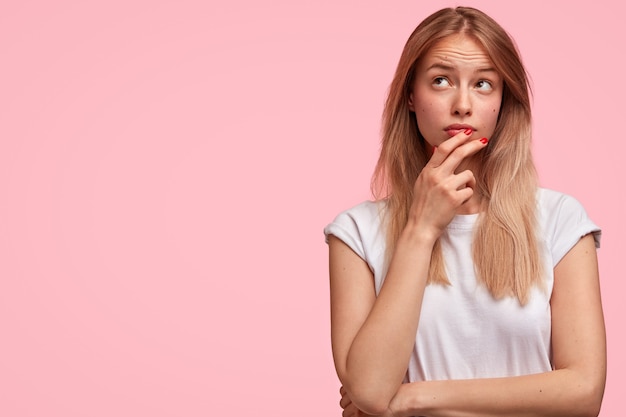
{"points": [[484, 140], [468, 131]]}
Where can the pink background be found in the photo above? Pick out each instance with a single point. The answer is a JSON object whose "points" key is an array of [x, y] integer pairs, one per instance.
{"points": [[167, 167]]}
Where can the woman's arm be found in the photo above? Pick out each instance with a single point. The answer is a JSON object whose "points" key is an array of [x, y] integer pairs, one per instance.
{"points": [[373, 337], [574, 388]]}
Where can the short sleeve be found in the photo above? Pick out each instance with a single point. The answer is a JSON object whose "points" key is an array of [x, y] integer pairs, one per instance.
{"points": [[360, 228], [566, 222], [346, 228]]}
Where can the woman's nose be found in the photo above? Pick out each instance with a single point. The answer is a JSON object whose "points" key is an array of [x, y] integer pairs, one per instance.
{"points": [[462, 105]]}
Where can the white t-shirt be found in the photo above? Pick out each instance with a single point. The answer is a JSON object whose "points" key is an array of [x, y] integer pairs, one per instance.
{"points": [[463, 331]]}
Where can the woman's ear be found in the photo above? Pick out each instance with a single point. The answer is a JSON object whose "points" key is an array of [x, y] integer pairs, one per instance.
{"points": [[410, 103]]}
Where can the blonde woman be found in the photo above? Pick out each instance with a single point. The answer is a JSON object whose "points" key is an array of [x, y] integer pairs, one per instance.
{"points": [[464, 289]]}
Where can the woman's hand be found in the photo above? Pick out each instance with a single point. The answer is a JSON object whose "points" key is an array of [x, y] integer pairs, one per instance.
{"points": [[349, 409], [439, 191]]}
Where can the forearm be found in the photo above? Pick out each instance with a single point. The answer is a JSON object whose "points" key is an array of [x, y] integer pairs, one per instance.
{"points": [[379, 355], [575, 388], [563, 392]]}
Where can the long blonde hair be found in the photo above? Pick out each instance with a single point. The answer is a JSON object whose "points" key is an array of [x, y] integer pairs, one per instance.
{"points": [[505, 246]]}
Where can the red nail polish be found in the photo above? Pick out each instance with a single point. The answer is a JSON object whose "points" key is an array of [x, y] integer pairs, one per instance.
{"points": [[468, 131], [484, 140]]}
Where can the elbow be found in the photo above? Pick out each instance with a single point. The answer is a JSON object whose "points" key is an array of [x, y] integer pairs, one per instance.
{"points": [[594, 403], [590, 399], [370, 399], [589, 408], [371, 406]]}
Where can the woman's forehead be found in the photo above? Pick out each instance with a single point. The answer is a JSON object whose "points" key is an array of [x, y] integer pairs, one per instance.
{"points": [[456, 51]]}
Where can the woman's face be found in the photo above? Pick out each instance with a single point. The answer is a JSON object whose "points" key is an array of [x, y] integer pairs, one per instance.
{"points": [[456, 87]]}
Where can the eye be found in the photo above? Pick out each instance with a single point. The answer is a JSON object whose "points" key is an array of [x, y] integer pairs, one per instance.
{"points": [[484, 85], [441, 82]]}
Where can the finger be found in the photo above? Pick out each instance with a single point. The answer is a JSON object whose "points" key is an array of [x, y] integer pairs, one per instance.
{"points": [[472, 181], [465, 194], [468, 190], [345, 401], [342, 390], [454, 158], [441, 152], [462, 180], [352, 411], [459, 187]]}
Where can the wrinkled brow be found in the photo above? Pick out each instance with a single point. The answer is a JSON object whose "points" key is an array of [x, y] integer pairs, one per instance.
{"points": [[446, 67]]}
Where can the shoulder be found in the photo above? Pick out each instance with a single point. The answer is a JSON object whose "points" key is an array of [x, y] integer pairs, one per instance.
{"points": [[551, 199], [364, 216], [563, 221], [556, 207], [367, 210], [360, 226]]}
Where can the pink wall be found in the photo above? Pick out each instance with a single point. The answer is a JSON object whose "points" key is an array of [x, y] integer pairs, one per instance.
{"points": [[167, 167]]}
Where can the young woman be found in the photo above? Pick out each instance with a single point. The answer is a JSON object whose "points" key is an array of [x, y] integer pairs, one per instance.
{"points": [[464, 289]]}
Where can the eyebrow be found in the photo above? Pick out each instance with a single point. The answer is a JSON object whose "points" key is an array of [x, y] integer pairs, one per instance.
{"points": [[445, 67]]}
